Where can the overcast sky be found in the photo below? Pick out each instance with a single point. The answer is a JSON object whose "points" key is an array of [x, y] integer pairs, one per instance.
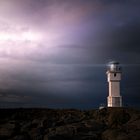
{"points": [[54, 53]]}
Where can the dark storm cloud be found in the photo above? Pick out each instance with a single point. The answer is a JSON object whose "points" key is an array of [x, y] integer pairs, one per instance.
{"points": [[131, 84], [62, 62], [12, 96], [125, 37], [59, 73]]}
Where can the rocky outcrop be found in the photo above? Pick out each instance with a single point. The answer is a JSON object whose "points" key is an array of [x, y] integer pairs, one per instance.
{"points": [[70, 124]]}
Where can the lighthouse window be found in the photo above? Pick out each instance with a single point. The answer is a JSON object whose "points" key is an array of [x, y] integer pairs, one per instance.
{"points": [[114, 74]]}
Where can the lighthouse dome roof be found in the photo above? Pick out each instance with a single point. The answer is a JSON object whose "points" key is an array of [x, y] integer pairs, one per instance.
{"points": [[114, 62]]}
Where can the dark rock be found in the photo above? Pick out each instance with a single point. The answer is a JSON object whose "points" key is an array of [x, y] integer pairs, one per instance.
{"points": [[6, 130], [22, 136], [70, 124], [118, 117]]}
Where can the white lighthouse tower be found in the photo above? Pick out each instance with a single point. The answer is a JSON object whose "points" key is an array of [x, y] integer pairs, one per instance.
{"points": [[114, 77]]}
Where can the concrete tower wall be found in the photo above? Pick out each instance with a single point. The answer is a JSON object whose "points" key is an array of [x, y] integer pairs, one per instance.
{"points": [[114, 89], [114, 76], [114, 101]]}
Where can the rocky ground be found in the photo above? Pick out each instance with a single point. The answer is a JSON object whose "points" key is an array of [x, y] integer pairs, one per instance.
{"points": [[70, 124]]}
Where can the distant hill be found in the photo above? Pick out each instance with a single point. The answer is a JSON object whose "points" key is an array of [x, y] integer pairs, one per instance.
{"points": [[70, 124]]}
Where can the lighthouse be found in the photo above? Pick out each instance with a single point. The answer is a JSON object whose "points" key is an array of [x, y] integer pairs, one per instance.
{"points": [[114, 77]]}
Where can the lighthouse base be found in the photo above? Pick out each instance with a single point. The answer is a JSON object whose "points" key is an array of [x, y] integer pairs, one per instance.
{"points": [[114, 101]]}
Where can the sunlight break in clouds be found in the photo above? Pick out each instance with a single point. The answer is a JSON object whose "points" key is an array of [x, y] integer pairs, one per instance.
{"points": [[19, 36]]}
